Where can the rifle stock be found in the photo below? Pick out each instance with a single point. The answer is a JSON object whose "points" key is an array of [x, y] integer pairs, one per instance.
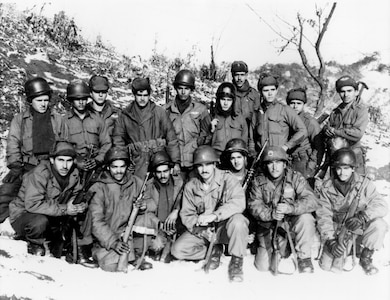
{"points": [[123, 259], [252, 168]]}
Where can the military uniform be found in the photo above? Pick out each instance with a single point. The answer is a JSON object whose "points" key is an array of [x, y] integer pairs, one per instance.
{"points": [[109, 114]]}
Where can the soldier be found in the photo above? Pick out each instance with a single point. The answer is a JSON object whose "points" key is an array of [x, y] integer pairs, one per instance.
{"points": [[306, 156], [31, 136], [186, 114], [163, 198], [235, 157], [213, 196], [45, 201], [146, 128], [282, 195], [114, 198], [224, 124], [276, 122], [99, 87], [87, 130], [336, 195], [247, 98], [348, 121]]}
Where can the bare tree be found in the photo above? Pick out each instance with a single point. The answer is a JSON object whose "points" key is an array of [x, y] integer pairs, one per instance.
{"points": [[296, 37]]}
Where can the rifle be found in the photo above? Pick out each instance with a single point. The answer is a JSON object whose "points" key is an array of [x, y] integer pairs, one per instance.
{"points": [[345, 236], [213, 239], [123, 259], [252, 168]]}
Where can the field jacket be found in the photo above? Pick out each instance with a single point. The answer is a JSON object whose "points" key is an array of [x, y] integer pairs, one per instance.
{"points": [[40, 193], [350, 124], [109, 114], [196, 197], [264, 196], [334, 206], [280, 124], [88, 132], [187, 128], [19, 142], [247, 103], [111, 207]]}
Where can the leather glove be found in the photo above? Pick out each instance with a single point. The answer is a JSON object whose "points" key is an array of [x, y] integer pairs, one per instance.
{"points": [[356, 222], [120, 247], [13, 175], [335, 248]]}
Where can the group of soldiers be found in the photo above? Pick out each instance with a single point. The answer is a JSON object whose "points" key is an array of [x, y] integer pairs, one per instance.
{"points": [[201, 182]]}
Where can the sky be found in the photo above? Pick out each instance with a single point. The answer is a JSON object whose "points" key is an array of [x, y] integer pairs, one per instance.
{"points": [[178, 27]]}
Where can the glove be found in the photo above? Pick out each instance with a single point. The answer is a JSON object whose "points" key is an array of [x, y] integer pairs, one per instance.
{"points": [[356, 222], [335, 248], [13, 175]]}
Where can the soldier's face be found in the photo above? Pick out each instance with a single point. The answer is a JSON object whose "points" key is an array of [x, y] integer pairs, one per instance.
{"points": [[41, 103], [142, 98], [63, 164], [238, 161], [117, 169], [269, 93], [206, 170], [348, 94], [276, 168], [80, 104], [239, 78], [99, 97], [344, 173], [183, 92], [297, 105], [162, 173]]}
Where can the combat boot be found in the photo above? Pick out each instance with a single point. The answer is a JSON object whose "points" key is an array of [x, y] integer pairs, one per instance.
{"points": [[85, 257], [35, 249], [366, 262], [235, 269], [216, 256], [305, 265]]}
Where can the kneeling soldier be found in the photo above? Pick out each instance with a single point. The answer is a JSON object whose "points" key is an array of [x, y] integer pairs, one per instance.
{"points": [[346, 189], [281, 194], [214, 196]]}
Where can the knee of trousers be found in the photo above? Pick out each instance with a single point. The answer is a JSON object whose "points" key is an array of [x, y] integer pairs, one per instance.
{"points": [[262, 259], [304, 223], [237, 223], [375, 230], [38, 225]]}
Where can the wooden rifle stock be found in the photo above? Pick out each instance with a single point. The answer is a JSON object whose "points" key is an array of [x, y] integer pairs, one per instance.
{"points": [[123, 259], [252, 168]]}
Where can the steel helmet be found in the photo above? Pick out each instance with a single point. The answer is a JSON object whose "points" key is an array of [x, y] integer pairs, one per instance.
{"points": [[36, 87], [160, 158], [186, 78], [272, 153], [117, 153], [236, 145], [77, 89], [205, 154], [344, 157], [266, 80]]}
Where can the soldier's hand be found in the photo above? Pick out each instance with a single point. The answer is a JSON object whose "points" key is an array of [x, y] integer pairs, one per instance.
{"points": [[204, 220], [81, 163], [140, 203], [213, 125], [277, 215], [335, 248], [71, 209], [176, 170], [13, 175], [355, 223], [284, 208], [90, 163], [170, 222], [207, 234], [80, 208], [329, 131], [121, 247]]}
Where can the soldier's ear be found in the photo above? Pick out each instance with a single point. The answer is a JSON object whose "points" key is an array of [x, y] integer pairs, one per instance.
{"points": [[51, 160]]}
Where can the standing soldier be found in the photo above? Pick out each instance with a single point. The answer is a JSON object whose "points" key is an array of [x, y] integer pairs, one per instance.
{"points": [[282, 195], [146, 128], [307, 156], [115, 193], [186, 114], [349, 120], [31, 136], [214, 196], [276, 122], [247, 98], [104, 108], [337, 196], [45, 202], [163, 198], [88, 131]]}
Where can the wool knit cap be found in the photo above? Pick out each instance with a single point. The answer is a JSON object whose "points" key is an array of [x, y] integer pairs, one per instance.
{"points": [[267, 81], [99, 83], [63, 148], [140, 84], [296, 94], [345, 81], [239, 66]]}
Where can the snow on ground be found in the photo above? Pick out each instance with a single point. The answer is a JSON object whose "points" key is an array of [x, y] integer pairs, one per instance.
{"points": [[24, 275]]}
